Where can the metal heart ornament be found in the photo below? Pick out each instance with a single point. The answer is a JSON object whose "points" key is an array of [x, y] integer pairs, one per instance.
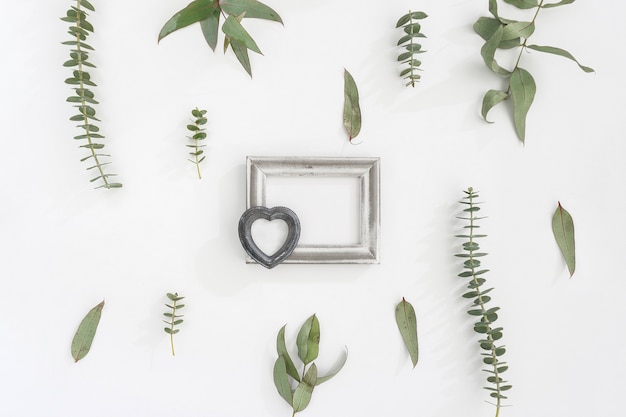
{"points": [[275, 213]]}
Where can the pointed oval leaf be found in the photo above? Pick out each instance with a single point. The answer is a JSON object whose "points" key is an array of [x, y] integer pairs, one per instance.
{"points": [[281, 349], [407, 323], [518, 30], [86, 332], [241, 52], [281, 380], [491, 99], [195, 11], [560, 52], [210, 28], [304, 390], [308, 340], [563, 229], [488, 52], [235, 31], [335, 371], [485, 27], [251, 8], [523, 90], [351, 107]]}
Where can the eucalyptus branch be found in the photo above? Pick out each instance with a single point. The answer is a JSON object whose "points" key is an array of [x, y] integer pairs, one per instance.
{"points": [[501, 33], [174, 319], [198, 134], [487, 315], [84, 98], [412, 29]]}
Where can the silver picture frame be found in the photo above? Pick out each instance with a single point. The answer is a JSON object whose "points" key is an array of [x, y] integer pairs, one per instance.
{"points": [[366, 170]]}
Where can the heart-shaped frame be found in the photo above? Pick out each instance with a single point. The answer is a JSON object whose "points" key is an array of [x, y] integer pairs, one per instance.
{"points": [[275, 213]]}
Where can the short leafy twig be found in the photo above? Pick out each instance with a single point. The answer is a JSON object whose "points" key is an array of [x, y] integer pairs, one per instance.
{"points": [[174, 319], [198, 134], [286, 373], [501, 33], [209, 12], [487, 315], [83, 98], [412, 29]]}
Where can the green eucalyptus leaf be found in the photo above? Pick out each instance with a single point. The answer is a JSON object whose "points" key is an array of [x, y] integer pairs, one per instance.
{"points": [[241, 52], [523, 90], [335, 371], [490, 100], [304, 390], [518, 30], [210, 28], [351, 107], [523, 4], [87, 5], [281, 380], [251, 8], [563, 229], [195, 11], [281, 349], [488, 52], [81, 344], [493, 8], [559, 52], [561, 3], [407, 323], [485, 27], [233, 29], [308, 340]]}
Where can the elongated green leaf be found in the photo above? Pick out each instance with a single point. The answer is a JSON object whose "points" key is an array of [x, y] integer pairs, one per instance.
{"points": [[491, 99], [560, 52], [335, 371], [304, 390], [252, 8], [563, 229], [233, 29], [351, 107], [210, 28], [281, 380], [308, 340], [241, 52], [523, 4], [523, 90], [281, 349], [86, 331], [561, 3], [488, 52], [405, 318], [493, 8], [195, 11]]}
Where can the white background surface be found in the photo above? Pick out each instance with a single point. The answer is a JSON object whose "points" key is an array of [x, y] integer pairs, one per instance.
{"points": [[65, 247]]}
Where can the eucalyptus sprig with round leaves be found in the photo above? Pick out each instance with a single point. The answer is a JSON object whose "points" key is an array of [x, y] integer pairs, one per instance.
{"points": [[412, 30], [297, 388], [500, 33], [198, 134], [209, 12], [487, 316], [83, 98]]}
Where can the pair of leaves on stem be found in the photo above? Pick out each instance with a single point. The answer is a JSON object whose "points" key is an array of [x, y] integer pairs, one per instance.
{"points": [[174, 318], [412, 30], [563, 229], [285, 371], [492, 354], [209, 12], [83, 98], [198, 134], [499, 34]]}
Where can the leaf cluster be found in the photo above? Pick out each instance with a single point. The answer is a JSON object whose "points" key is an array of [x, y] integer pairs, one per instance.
{"points": [[83, 98], [286, 374], [209, 12], [198, 134], [487, 316], [412, 30], [499, 34], [174, 319]]}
